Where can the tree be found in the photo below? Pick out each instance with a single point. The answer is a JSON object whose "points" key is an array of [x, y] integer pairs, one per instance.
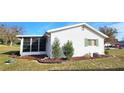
{"points": [[1, 41], [56, 48], [110, 32], [8, 34], [68, 49]]}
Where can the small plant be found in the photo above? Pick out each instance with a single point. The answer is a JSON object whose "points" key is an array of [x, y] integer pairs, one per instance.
{"points": [[9, 61], [87, 55], [68, 49], [96, 55], [56, 48], [106, 52]]}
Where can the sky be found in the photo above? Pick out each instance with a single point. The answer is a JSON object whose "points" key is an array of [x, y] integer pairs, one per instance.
{"points": [[39, 28]]}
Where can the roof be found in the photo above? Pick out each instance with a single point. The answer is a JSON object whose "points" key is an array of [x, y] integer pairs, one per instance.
{"points": [[77, 25], [19, 36], [66, 27], [121, 41]]}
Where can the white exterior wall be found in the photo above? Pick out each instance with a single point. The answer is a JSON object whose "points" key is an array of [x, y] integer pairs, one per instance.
{"points": [[48, 46], [77, 35], [33, 53], [21, 46]]}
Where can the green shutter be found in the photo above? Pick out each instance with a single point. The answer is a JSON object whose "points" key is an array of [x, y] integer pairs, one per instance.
{"points": [[97, 42], [86, 42]]}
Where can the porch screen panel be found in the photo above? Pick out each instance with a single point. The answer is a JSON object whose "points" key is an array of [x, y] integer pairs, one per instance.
{"points": [[42, 44], [34, 44], [26, 45]]}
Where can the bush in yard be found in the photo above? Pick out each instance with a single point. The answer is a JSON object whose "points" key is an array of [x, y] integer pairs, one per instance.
{"points": [[87, 55], [106, 52], [68, 49], [56, 48], [96, 55]]}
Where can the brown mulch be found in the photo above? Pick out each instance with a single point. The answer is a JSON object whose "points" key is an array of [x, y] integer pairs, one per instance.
{"points": [[50, 60], [61, 60], [45, 59], [32, 57]]}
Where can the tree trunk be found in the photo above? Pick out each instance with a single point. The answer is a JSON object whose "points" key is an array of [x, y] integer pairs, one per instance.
{"points": [[11, 43], [6, 42]]}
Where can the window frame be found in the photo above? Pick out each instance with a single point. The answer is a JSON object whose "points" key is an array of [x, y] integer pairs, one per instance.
{"points": [[91, 42], [34, 47], [26, 45]]}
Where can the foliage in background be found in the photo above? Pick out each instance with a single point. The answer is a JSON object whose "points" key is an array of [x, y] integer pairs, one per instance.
{"points": [[68, 49], [56, 48], [8, 34], [110, 32]]}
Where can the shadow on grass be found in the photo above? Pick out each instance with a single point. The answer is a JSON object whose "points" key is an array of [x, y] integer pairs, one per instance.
{"points": [[110, 69], [11, 53]]}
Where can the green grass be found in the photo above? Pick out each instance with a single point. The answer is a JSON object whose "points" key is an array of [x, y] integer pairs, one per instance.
{"points": [[111, 63], [5, 48], [117, 52]]}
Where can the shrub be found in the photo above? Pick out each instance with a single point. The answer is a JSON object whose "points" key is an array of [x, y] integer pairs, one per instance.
{"points": [[96, 55], [9, 61], [56, 48], [106, 52], [68, 49], [87, 55]]}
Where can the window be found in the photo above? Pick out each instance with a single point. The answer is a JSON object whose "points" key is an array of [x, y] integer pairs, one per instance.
{"points": [[34, 44], [42, 44], [26, 45], [91, 42]]}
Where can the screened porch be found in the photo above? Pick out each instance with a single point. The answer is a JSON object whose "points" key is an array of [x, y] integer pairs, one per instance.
{"points": [[33, 45]]}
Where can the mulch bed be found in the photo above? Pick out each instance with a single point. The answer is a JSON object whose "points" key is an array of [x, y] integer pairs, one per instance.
{"points": [[61, 60], [32, 57], [50, 60], [44, 59]]}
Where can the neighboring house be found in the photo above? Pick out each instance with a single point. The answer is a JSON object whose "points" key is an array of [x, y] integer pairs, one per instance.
{"points": [[121, 43], [85, 39], [109, 46]]}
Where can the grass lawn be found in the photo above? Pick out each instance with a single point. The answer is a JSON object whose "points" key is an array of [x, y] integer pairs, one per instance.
{"points": [[112, 63]]}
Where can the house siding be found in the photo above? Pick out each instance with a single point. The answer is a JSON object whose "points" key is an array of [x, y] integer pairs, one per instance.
{"points": [[48, 46], [78, 35]]}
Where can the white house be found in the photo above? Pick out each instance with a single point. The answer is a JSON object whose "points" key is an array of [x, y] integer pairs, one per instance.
{"points": [[85, 39]]}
